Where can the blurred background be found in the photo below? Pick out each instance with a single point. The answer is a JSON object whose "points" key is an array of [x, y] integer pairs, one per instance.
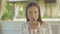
{"points": [[12, 15], [14, 9]]}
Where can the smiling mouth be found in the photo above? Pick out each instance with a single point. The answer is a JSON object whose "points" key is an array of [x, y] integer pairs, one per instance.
{"points": [[32, 19]]}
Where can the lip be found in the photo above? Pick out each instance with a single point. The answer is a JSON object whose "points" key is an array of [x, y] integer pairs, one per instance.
{"points": [[32, 19]]}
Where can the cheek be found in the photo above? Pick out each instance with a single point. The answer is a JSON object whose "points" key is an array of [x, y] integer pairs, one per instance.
{"points": [[36, 16]]}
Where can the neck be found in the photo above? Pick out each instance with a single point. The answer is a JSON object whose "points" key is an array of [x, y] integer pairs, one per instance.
{"points": [[35, 22]]}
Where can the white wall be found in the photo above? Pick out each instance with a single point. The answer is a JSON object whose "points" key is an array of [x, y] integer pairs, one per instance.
{"points": [[12, 27]]}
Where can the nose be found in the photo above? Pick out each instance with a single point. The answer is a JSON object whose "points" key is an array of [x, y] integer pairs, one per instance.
{"points": [[32, 15]]}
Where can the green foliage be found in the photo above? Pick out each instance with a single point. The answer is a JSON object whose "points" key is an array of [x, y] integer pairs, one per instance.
{"points": [[8, 12], [21, 10], [45, 17]]}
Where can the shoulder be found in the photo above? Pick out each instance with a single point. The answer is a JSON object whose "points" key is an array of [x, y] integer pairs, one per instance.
{"points": [[47, 25], [23, 28], [48, 28], [24, 25]]}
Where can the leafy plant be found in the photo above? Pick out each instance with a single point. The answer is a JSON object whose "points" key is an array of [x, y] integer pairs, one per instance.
{"points": [[8, 12]]}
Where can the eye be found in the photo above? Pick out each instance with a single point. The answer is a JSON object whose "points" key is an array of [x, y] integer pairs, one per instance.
{"points": [[35, 12]]}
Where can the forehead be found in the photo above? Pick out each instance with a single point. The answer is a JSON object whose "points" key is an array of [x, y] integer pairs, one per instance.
{"points": [[33, 8]]}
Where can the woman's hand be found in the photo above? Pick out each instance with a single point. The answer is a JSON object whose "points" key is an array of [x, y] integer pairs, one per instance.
{"points": [[33, 26]]}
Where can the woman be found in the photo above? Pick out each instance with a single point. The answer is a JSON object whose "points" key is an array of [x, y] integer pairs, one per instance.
{"points": [[34, 23]]}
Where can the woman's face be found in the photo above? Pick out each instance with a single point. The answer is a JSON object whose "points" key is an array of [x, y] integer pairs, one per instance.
{"points": [[33, 13]]}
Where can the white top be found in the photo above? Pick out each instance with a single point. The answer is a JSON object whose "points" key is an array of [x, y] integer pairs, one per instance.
{"points": [[44, 29]]}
